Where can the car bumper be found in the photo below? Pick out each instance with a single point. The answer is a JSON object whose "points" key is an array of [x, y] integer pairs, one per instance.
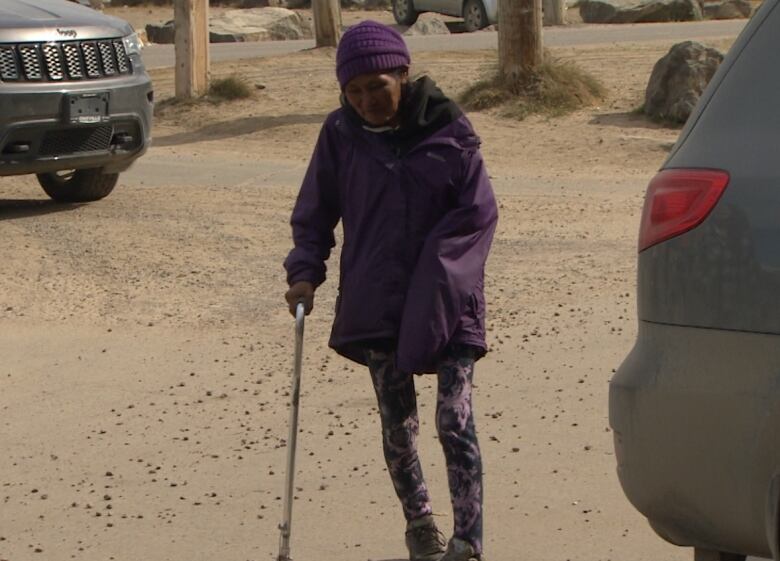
{"points": [[39, 134], [696, 421]]}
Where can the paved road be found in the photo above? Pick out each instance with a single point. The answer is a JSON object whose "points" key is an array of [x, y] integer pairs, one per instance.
{"points": [[160, 56]]}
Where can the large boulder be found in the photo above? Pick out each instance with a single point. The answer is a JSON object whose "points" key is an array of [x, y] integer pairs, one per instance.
{"points": [[237, 26], [290, 4], [678, 80], [727, 9], [253, 4], [359, 4], [258, 24], [639, 11], [428, 26], [164, 33]]}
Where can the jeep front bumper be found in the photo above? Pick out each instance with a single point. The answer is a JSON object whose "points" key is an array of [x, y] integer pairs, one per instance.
{"points": [[46, 127]]}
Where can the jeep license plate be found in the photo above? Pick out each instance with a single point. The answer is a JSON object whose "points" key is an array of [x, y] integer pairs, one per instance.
{"points": [[86, 108]]}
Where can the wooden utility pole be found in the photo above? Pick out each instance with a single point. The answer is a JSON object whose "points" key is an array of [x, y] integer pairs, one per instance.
{"points": [[191, 18], [554, 12], [327, 22], [519, 38]]}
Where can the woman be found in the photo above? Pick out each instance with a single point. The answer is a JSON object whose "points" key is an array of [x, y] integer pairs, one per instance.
{"points": [[399, 165]]}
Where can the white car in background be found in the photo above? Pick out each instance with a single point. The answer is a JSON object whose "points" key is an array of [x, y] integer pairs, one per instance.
{"points": [[476, 14]]}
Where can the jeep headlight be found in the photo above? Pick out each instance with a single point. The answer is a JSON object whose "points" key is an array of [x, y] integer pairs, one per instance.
{"points": [[133, 44]]}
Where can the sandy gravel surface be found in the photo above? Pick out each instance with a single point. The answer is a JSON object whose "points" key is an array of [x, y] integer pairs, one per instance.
{"points": [[146, 350]]}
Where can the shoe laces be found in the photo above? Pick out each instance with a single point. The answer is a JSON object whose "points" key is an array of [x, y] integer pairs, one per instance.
{"points": [[429, 537]]}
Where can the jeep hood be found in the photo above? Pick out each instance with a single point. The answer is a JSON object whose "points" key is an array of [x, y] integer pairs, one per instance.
{"points": [[55, 20]]}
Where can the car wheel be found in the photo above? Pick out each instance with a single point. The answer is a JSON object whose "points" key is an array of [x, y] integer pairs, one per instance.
{"points": [[404, 12], [78, 186], [474, 15]]}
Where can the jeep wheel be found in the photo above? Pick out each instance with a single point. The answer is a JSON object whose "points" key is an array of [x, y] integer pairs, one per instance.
{"points": [[78, 186], [404, 12]]}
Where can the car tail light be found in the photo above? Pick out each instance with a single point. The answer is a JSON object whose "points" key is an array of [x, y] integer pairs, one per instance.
{"points": [[677, 201]]}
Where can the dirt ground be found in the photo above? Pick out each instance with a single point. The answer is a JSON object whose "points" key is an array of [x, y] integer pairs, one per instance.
{"points": [[147, 352]]}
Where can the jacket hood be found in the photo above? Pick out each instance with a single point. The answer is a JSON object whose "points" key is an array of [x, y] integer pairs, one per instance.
{"points": [[425, 110]]}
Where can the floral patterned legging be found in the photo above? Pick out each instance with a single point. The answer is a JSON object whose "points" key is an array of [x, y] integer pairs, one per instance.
{"points": [[455, 425]]}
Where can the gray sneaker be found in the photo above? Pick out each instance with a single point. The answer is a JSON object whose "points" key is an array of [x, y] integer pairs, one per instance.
{"points": [[424, 540], [458, 550]]}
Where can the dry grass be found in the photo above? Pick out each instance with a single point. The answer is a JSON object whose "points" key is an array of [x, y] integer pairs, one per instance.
{"points": [[230, 88], [555, 89]]}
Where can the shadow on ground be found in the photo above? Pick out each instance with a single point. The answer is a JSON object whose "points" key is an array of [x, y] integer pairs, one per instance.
{"points": [[632, 120], [237, 127], [11, 209]]}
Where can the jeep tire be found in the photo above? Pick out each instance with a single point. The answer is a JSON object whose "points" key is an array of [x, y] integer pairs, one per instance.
{"points": [[474, 15], [404, 12], [78, 186]]}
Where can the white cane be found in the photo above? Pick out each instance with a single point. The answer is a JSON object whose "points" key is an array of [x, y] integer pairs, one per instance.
{"points": [[286, 525]]}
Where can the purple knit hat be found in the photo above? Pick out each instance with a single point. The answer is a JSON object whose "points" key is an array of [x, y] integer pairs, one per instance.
{"points": [[369, 47]]}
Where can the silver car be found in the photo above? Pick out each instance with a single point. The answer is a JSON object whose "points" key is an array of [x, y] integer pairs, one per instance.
{"points": [[75, 100], [695, 407], [476, 14]]}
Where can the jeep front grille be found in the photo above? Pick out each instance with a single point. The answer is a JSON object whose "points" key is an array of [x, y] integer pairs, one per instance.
{"points": [[9, 69], [31, 62], [75, 60], [53, 61]]}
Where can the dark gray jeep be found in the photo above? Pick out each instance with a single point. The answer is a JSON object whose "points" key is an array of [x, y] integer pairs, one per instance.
{"points": [[695, 406], [75, 99]]}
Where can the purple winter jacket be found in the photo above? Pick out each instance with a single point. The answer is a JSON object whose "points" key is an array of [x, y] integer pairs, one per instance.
{"points": [[417, 230]]}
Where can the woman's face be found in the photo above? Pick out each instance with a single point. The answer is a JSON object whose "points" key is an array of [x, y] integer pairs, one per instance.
{"points": [[376, 97]]}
